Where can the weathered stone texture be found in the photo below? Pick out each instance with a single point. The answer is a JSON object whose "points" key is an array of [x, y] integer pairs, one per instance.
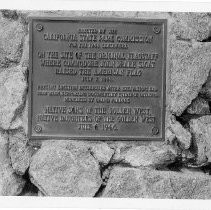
{"points": [[189, 25], [10, 14], [190, 64], [201, 129], [205, 91], [10, 183], [24, 62], [11, 35], [176, 130], [102, 152], [12, 91], [20, 154], [140, 183], [21, 120], [199, 106], [169, 135], [65, 169], [153, 155]]}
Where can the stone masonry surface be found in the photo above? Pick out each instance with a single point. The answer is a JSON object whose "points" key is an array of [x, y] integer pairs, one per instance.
{"points": [[178, 167]]}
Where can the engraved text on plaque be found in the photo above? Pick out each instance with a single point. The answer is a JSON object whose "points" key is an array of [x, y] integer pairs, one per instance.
{"points": [[100, 79]]}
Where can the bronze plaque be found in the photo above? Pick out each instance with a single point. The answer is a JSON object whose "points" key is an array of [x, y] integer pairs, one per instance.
{"points": [[100, 79]]}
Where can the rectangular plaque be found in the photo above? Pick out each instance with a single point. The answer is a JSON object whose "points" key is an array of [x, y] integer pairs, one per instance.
{"points": [[100, 79]]}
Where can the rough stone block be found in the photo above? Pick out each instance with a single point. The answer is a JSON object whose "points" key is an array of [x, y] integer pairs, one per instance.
{"points": [[201, 130], [11, 35], [10, 183], [21, 120], [199, 106], [190, 64], [182, 135], [24, 62], [151, 155], [189, 25], [12, 90], [140, 183], [102, 152], [63, 169], [20, 154], [205, 91]]}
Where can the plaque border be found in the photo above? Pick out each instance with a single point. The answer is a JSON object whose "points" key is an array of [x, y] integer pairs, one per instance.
{"points": [[34, 139]]}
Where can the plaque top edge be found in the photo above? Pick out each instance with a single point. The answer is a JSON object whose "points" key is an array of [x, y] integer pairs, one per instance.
{"points": [[103, 19]]}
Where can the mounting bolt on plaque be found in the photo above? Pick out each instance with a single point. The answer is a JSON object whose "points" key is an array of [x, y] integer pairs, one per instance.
{"points": [[155, 131], [156, 29], [37, 128], [39, 27]]}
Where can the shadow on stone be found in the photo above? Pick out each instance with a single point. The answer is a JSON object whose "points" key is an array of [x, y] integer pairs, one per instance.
{"points": [[29, 189]]}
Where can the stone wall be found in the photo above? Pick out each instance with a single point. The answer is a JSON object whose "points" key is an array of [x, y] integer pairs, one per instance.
{"points": [[178, 167]]}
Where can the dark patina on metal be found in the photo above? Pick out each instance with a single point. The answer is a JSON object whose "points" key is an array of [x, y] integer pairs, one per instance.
{"points": [[97, 79]]}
